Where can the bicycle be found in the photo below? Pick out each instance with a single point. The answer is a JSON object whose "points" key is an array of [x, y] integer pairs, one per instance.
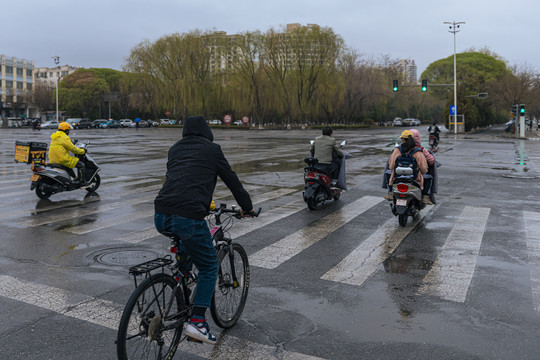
{"points": [[154, 317]]}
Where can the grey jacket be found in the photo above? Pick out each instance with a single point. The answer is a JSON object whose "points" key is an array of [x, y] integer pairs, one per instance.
{"points": [[323, 148]]}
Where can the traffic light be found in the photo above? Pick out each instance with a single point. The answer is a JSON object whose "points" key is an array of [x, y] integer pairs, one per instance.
{"points": [[395, 88], [424, 85], [514, 110], [522, 110]]}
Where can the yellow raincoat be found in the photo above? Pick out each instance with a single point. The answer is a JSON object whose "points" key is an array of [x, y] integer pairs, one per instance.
{"points": [[59, 150]]}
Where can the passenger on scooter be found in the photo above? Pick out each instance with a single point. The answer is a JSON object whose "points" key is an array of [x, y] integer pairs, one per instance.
{"points": [[59, 150], [430, 178], [408, 145], [325, 149], [429, 157]]}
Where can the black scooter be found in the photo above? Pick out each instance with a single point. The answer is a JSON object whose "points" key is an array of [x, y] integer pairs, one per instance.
{"points": [[49, 179]]}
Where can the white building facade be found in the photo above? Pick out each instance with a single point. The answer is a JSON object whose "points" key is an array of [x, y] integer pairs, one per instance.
{"points": [[17, 83]]}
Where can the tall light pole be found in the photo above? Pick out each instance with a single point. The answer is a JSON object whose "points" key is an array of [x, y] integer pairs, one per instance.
{"points": [[56, 61], [454, 26]]}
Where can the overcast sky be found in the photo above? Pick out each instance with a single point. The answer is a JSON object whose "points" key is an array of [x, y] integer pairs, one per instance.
{"points": [[101, 33]]}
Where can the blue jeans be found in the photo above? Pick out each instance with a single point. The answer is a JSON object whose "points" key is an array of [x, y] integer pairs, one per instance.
{"points": [[196, 241]]}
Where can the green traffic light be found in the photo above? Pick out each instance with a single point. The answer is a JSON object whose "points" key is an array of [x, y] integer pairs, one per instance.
{"points": [[395, 88], [424, 88]]}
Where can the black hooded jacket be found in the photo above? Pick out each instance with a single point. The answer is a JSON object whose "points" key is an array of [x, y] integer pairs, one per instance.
{"points": [[192, 169]]}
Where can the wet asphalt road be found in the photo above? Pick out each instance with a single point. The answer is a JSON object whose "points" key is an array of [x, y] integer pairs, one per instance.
{"points": [[344, 282]]}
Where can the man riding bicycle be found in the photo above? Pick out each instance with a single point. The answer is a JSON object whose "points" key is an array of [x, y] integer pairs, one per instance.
{"points": [[183, 202]]}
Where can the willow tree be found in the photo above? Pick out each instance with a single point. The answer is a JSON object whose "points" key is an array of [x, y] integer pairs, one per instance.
{"points": [[315, 53]]}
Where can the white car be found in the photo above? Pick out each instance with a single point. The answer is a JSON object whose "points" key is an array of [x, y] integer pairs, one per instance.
{"points": [[214, 122], [126, 122], [238, 122], [50, 125]]}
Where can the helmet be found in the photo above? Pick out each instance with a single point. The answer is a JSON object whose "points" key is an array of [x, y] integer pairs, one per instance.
{"points": [[405, 134], [64, 126]]}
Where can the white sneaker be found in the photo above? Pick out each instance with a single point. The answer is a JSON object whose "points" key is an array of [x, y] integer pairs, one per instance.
{"points": [[200, 331]]}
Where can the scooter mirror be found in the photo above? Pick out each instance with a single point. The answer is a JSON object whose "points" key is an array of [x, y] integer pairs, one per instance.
{"points": [[311, 142], [344, 142]]}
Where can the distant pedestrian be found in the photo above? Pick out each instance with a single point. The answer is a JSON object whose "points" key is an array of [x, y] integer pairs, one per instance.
{"points": [[137, 121]]}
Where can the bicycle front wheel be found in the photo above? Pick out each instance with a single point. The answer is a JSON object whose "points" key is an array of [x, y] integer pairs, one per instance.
{"points": [[232, 286], [143, 332]]}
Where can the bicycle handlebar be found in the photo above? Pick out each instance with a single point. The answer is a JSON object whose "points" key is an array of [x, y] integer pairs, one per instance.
{"points": [[238, 213]]}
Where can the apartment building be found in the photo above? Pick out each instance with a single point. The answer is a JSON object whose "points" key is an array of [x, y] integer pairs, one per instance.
{"points": [[51, 75], [17, 82], [408, 69]]}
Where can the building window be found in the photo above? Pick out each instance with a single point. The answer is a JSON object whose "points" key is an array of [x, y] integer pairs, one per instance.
{"points": [[9, 70], [29, 86], [19, 85], [19, 71], [50, 74], [64, 73], [28, 72], [9, 84]]}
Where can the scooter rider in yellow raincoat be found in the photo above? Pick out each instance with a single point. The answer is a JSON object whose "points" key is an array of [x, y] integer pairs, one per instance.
{"points": [[59, 150]]}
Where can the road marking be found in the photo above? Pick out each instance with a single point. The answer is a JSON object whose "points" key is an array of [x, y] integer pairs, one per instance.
{"points": [[274, 255], [107, 314], [532, 233], [42, 220], [242, 228], [362, 262], [110, 221], [453, 269]]}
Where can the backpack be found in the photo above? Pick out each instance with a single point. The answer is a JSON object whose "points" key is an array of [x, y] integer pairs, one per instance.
{"points": [[407, 160]]}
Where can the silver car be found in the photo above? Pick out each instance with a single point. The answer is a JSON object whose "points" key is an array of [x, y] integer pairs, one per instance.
{"points": [[50, 125]]}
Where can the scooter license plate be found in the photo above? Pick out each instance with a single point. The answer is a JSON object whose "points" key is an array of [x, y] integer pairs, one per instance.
{"points": [[35, 177], [401, 202]]}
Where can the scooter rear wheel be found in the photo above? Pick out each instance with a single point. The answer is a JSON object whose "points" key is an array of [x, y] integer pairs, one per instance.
{"points": [[402, 219], [41, 192], [312, 204]]}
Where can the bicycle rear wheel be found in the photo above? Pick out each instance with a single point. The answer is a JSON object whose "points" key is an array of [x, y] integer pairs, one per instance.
{"points": [[232, 286], [142, 333]]}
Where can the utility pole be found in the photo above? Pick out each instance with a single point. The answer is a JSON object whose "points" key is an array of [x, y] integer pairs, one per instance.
{"points": [[454, 26], [56, 61]]}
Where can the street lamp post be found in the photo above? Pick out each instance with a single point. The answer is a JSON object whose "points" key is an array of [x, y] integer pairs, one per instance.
{"points": [[56, 61], [454, 26]]}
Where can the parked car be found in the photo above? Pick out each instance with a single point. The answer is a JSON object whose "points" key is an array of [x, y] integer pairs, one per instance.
{"points": [[164, 121], [215, 122], [397, 122], [50, 125], [126, 122], [79, 123], [95, 124], [110, 124], [410, 122], [238, 122]]}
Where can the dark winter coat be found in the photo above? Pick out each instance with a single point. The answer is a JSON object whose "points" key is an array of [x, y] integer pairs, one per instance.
{"points": [[193, 165]]}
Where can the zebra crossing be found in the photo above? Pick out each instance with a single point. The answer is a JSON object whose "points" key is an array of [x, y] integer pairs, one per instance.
{"points": [[449, 278]]}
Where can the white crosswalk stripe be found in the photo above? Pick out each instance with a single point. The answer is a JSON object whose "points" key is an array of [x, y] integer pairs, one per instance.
{"points": [[532, 233], [452, 271], [358, 266], [274, 255], [107, 314]]}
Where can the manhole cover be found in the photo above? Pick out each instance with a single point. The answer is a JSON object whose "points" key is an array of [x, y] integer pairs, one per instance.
{"points": [[125, 257]]}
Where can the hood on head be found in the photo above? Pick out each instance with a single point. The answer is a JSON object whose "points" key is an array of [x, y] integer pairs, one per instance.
{"points": [[197, 126], [416, 136]]}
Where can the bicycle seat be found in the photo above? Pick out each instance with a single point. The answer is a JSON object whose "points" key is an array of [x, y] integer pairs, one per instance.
{"points": [[171, 235]]}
